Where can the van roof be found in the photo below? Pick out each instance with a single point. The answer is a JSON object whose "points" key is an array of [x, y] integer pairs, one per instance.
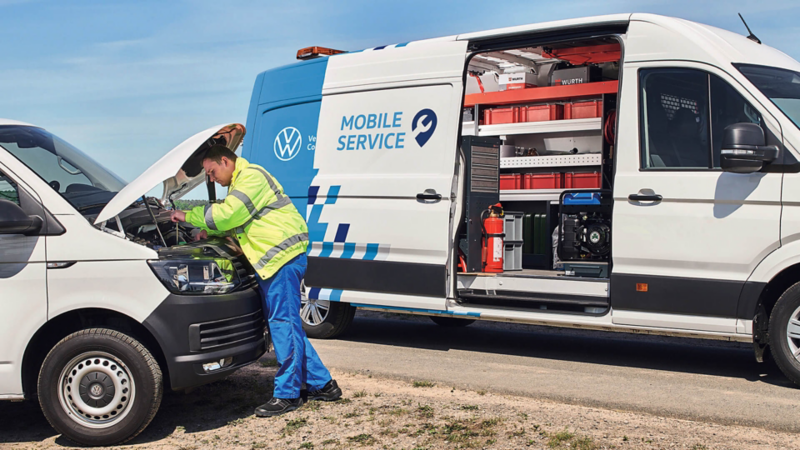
{"points": [[14, 122]]}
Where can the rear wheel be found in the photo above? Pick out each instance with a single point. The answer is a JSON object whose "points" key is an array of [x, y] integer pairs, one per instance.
{"points": [[784, 333], [324, 319], [99, 387], [451, 321]]}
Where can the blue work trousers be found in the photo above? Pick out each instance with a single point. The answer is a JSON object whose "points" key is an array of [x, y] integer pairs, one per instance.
{"points": [[299, 362]]}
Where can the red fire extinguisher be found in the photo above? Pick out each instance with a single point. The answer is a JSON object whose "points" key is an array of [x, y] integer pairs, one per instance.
{"points": [[492, 224]]}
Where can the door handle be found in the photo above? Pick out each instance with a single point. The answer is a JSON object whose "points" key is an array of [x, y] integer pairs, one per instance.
{"points": [[429, 194], [645, 197]]}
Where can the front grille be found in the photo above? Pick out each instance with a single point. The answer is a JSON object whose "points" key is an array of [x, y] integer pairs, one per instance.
{"points": [[222, 333]]}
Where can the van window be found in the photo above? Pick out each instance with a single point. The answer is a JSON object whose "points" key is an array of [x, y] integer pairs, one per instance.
{"points": [[677, 130], [8, 189]]}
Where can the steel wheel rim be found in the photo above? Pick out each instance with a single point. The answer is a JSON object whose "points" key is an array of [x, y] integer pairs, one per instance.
{"points": [[96, 390], [313, 311], [793, 334]]}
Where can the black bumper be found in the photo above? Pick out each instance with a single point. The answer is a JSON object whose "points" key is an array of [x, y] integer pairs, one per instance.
{"points": [[193, 330]]}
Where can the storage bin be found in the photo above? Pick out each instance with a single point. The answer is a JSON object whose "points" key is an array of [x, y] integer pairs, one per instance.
{"points": [[494, 116], [512, 257], [542, 181], [512, 227], [510, 182], [541, 113], [583, 110], [584, 180]]}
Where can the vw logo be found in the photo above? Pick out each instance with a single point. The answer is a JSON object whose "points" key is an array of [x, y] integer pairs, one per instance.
{"points": [[287, 143]]}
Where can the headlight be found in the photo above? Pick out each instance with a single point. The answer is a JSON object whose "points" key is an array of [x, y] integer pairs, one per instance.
{"points": [[196, 276]]}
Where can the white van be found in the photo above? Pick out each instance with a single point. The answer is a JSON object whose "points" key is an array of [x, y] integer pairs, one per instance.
{"points": [[680, 140], [100, 304]]}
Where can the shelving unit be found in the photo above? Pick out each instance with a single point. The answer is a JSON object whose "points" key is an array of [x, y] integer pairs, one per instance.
{"points": [[550, 126], [542, 94], [523, 162], [535, 195]]}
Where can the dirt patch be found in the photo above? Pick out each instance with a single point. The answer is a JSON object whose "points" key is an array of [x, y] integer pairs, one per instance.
{"points": [[380, 413]]}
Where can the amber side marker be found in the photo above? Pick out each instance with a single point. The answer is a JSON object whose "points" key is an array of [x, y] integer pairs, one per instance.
{"points": [[641, 287]]}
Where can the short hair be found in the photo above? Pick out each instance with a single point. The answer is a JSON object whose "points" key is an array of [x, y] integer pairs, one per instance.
{"points": [[216, 153]]}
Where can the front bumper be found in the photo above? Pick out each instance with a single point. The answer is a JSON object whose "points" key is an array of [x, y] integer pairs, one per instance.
{"points": [[194, 330]]}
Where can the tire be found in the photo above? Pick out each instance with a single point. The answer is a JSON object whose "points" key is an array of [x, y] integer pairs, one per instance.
{"points": [[451, 322], [784, 333], [324, 319], [122, 386]]}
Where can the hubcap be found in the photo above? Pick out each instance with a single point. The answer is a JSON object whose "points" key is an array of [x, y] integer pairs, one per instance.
{"points": [[793, 333], [313, 311], [96, 390]]}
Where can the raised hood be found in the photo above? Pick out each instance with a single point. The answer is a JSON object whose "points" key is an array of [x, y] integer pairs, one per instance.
{"points": [[180, 170]]}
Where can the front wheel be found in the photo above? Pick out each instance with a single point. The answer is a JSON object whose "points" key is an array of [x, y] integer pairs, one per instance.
{"points": [[784, 333], [324, 319], [99, 387]]}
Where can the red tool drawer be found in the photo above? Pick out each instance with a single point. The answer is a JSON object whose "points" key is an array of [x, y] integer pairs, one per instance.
{"points": [[583, 110], [510, 182], [542, 181], [584, 180], [541, 113], [501, 115]]}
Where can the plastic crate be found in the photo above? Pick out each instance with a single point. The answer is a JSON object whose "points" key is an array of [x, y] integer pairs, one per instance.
{"points": [[510, 182], [541, 113], [501, 115], [542, 181], [583, 110], [512, 227], [584, 180], [512, 257]]}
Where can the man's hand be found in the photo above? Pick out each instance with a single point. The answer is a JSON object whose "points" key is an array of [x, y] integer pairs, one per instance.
{"points": [[178, 216], [203, 234]]}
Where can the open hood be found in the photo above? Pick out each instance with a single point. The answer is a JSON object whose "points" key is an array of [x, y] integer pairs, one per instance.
{"points": [[180, 170]]}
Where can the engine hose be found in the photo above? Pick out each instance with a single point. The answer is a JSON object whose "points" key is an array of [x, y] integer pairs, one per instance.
{"points": [[609, 130]]}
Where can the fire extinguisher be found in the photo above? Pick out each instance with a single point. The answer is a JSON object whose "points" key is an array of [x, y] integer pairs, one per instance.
{"points": [[492, 225]]}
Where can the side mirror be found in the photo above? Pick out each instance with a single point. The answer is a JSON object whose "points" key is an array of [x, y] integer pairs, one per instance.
{"points": [[744, 149], [13, 220]]}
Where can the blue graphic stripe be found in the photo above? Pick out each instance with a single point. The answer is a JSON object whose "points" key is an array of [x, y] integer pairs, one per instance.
{"points": [[336, 295], [312, 194], [313, 293], [327, 249], [316, 230], [401, 45], [349, 250], [341, 232], [333, 194], [428, 311], [372, 252]]}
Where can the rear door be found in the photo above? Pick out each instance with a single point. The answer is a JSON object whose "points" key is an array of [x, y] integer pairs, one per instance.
{"points": [[379, 206]]}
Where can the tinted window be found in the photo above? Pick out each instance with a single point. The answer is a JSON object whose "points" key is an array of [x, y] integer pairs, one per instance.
{"points": [[8, 189], [780, 85], [677, 131]]}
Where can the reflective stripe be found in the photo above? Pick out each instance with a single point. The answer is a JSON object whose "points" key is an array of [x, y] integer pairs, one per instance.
{"points": [[274, 251], [277, 204], [270, 181], [244, 199], [209, 218]]}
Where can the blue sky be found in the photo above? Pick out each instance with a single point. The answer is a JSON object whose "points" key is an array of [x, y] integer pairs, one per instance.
{"points": [[128, 80]]}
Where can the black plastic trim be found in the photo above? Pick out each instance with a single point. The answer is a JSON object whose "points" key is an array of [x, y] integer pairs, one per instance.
{"points": [[389, 277], [551, 36], [538, 297], [676, 295], [173, 319], [748, 300]]}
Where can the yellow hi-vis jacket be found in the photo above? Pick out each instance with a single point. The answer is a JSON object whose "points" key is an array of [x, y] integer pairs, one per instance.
{"points": [[262, 218]]}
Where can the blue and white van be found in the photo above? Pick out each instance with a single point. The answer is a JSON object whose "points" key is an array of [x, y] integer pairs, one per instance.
{"points": [[684, 138]]}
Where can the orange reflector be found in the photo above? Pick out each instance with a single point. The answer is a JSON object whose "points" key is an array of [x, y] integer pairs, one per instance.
{"points": [[313, 52], [641, 287]]}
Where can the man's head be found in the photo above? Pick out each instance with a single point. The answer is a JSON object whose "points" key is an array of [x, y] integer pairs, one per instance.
{"points": [[219, 163]]}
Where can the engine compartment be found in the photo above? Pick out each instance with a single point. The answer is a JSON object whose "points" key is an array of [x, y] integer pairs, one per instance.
{"points": [[138, 226]]}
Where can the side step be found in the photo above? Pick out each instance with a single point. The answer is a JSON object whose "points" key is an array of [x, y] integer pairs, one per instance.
{"points": [[557, 294]]}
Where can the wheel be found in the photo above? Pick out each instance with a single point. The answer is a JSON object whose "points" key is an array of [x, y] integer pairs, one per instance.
{"points": [[451, 321], [99, 387], [324, 319], [784, 333]]}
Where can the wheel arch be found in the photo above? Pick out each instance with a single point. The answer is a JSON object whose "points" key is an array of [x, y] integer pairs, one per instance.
{"points": [[61, 326]]}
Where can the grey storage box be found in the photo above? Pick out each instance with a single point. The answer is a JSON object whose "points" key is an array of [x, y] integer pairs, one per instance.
{"points": [[512, 227]]}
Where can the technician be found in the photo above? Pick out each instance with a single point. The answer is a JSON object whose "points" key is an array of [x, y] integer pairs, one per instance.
{"points": [[274, 238]]}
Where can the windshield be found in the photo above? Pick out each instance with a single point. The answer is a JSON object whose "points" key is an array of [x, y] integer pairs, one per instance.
{"points": [[780, 85], [84, 183]]}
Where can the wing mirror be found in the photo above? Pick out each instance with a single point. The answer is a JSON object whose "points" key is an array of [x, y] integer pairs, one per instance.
{"points": [[13, 220], [744, 149]]}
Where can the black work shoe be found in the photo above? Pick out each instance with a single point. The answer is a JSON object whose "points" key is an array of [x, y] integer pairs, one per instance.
{"points": [[278, 406], [330, 392]]}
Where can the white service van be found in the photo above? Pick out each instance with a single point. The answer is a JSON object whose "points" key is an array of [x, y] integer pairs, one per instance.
{"points": [[679, 140], [102, 300]]}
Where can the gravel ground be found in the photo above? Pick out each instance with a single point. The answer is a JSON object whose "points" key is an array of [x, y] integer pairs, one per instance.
{"points": [[384, 413]]}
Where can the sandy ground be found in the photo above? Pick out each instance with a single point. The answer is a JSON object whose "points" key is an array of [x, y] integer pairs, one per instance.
{"points": [[391, 414]]}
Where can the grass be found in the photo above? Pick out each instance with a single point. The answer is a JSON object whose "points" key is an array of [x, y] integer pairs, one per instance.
{"points": [[699, 447], [307, 445], [360, 394], [559, 438], [269, 363], [425, 412], [294, 424], [423, 384], [258, 445], [481, 392], [470, 407], [362, 439], [327, 442], [351, 414]]}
